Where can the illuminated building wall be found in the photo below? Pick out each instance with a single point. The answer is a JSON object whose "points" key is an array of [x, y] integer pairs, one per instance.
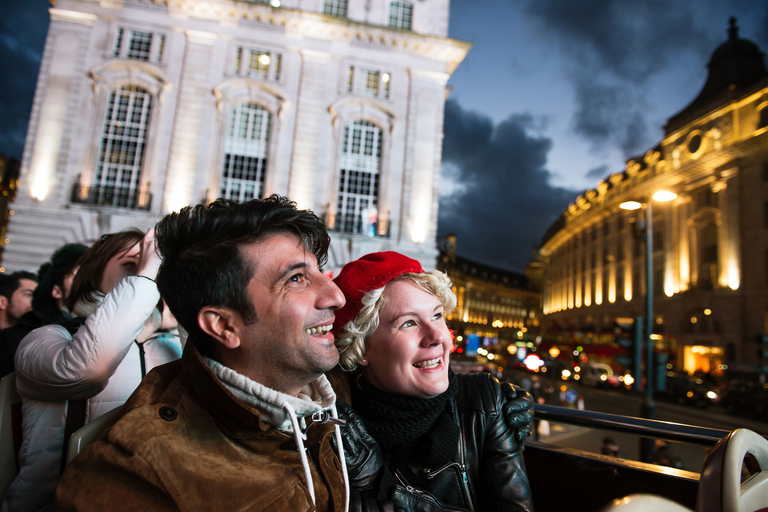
{"points": [[145, 106], [491, 303], [710, 258]]}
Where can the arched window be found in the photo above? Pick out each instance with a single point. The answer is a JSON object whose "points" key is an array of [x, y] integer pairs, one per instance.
{"points": [[245, 153], [122, 148], [401, 15], [359, 178]]}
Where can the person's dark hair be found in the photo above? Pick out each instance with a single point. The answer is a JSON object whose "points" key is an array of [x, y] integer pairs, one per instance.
{"points": [[11, 282], [50, 274], [202, 261], [87, 281]]}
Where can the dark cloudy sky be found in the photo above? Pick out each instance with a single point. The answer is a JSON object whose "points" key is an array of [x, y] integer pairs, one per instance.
{"points": [[553, 96], [556, 95]]}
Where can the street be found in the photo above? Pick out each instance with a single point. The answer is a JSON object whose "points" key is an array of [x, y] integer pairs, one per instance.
{"points": [[691, 457]]}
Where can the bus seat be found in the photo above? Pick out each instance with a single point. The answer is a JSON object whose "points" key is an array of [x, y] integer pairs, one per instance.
{"points": [[735, 474], [86, 434], [10, 431], [643, 503]]}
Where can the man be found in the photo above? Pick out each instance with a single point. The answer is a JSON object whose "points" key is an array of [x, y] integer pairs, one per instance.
{"points": [[241, 422], [16, 297], [54, 280]]}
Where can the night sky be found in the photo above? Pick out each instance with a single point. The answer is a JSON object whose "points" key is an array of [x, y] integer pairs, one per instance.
{"points": [[553, 96]]}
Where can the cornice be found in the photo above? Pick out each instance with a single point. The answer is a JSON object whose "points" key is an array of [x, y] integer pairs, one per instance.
{"points": [[305, 24]]}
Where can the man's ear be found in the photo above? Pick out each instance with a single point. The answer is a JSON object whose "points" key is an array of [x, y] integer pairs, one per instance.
{"points": [[3, 302], [221, 325], [56, 293]]}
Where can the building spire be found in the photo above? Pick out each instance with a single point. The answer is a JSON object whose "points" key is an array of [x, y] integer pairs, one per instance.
{"points": [[733, 30]]}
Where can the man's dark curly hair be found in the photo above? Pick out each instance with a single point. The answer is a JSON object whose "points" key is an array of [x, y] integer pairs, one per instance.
{"points": [[202, 261]]}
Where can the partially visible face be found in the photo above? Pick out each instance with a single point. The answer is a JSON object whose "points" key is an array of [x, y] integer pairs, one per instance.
{"points": [[408, 353], [119, 266], [290, 344], [21, 300], [66, 283]]}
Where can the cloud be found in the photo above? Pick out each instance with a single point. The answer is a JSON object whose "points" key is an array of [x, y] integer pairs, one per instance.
{"points": [[610, 115], [615, 51], [598, 173], [505, 203], [23, 26], [630, 40]]}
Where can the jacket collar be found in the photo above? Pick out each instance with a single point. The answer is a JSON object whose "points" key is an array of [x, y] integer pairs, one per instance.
{"points": [[242, 404]]}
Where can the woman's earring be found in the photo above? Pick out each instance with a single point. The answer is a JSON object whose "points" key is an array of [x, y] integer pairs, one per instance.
{"points": [[363, 361]]}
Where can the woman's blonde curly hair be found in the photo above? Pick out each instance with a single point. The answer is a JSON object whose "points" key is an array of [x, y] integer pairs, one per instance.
{"points": [[351, 342]]}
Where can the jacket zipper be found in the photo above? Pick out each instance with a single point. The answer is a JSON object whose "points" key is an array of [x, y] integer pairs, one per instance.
{"points": [[462, 470]]}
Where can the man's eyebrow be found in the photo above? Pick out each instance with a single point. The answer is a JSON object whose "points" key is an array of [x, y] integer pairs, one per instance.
{"points": [[290, 269]]}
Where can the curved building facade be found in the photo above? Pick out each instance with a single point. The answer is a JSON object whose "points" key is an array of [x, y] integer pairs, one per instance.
{"points": [[710, 243]]}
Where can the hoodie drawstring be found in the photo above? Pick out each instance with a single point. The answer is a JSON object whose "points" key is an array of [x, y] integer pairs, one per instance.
{"points": [[337, 429], [299, 437]]}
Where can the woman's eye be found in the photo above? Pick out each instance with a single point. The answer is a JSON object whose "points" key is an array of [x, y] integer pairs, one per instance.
{"points": [[438, 316], [409, 323]]}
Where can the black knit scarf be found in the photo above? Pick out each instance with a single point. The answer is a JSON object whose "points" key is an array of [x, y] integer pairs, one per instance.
{"points": [[407, 428]]}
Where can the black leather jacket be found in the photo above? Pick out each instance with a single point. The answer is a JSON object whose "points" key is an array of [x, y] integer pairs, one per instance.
{"points": [[488, 472]]}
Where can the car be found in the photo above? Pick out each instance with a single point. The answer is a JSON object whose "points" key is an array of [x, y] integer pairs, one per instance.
{"points": [[684, 389], [599, 375], [746, 398]]}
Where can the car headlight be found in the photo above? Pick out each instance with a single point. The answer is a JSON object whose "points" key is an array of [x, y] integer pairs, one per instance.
{"points": [[711, 395]]}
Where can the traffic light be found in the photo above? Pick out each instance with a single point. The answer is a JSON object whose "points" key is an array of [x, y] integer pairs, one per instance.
{"points": [[762, 348]]}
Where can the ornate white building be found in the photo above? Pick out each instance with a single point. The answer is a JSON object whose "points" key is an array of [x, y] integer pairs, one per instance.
{"points": [[710, 245], [145, 106]]}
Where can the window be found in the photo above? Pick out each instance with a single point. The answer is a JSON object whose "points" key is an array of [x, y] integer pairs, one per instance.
{"points": [[708, 273], [139, 44], [368, 82], [258, 63], [400, 15], [245, 153], [359, 179], [122, 148], [658, 240], [335, 8]]}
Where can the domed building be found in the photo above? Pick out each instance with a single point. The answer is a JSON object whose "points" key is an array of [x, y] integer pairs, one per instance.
{"points": [[709, 244]]}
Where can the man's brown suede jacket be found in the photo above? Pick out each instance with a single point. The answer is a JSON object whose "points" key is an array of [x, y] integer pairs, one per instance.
{"points": [[184, 442]]}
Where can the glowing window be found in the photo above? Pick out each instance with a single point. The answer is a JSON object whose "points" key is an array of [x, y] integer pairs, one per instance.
{"points": [[245, 153], [123, 142], [401, 15], [359, 178], [335, 8]]}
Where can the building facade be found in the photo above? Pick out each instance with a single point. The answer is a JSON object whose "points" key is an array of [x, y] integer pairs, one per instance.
{"points": [[145, 106], [495, 309], [710, 244]]}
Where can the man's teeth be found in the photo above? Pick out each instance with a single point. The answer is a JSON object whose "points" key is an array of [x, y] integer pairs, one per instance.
{"points": [[429, 363], [319, 330]]}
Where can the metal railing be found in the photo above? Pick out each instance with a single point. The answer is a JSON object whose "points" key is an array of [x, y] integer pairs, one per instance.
{"points": [[354, 224], [119, 197], [666, 430]]}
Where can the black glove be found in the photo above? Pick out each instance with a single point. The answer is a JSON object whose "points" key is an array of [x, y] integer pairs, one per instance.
{"points": [[517, 410], [365, 462]]}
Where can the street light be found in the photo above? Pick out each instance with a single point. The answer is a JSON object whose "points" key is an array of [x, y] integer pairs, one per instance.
{"points": [[648, 408]]}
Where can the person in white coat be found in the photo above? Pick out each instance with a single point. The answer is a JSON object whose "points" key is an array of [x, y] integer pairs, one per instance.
{"points": [[93, 370]]}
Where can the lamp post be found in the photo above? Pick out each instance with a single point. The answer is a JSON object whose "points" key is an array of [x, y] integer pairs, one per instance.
{"points": [[648, 407]]}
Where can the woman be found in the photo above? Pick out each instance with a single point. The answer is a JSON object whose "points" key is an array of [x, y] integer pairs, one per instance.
{"points": [[444, 439], [70, 379]]}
